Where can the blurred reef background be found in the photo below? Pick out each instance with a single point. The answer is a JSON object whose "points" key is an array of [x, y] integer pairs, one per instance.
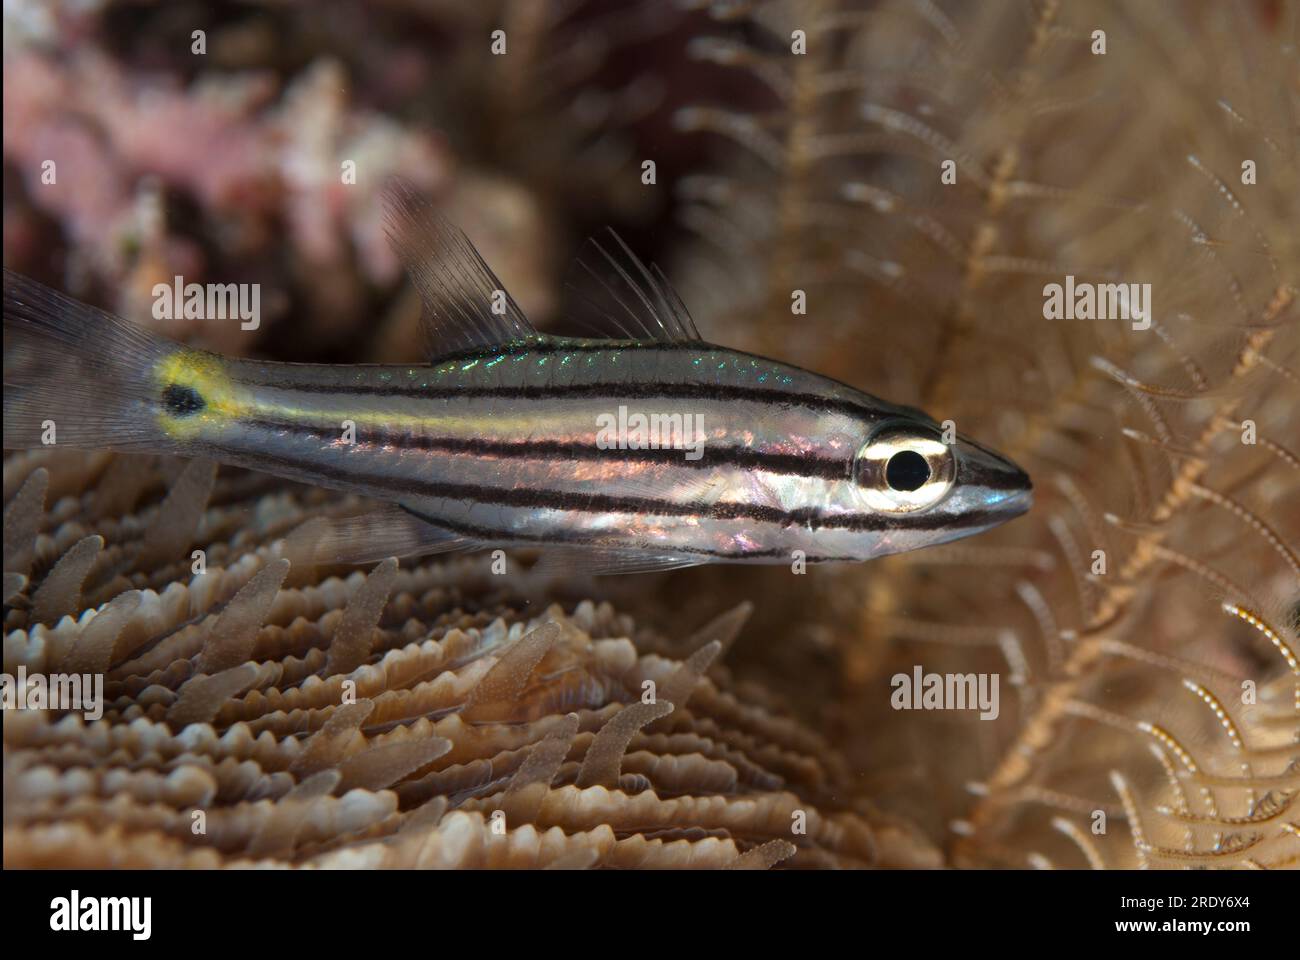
{"points": [[796, 146]]}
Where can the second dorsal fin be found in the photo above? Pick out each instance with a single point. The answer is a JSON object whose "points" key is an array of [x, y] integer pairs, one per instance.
{"points": [[465, 305], [616, 295]]}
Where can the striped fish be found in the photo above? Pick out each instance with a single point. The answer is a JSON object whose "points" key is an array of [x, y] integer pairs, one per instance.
{"points": [[643, 448]]}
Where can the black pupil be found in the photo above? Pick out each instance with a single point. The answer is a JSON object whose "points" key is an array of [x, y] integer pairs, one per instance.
{"points": [[182, 401], [907, 470]]}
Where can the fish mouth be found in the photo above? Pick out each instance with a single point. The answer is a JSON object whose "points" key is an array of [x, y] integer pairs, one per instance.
{"points": [[990, 483]]}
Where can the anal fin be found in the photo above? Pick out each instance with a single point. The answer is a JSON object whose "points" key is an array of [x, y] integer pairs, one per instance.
{"points": [[388, 531], [561, 560]]}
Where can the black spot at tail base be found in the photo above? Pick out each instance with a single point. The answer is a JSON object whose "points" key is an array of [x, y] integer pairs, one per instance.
{"points": [[182, 401]]}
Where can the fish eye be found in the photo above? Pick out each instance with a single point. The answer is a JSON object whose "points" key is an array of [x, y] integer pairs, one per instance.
{"points": [[903, 468], [906, 470]]}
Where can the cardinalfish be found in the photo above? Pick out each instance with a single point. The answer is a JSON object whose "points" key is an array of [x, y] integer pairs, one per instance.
{"points": [[641, 448]]}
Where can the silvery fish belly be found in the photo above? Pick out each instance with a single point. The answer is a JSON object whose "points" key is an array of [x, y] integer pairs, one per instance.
{"points": [[642, 449]]}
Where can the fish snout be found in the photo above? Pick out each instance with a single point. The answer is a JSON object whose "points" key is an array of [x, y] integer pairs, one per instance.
{"points": [[991, 482]]}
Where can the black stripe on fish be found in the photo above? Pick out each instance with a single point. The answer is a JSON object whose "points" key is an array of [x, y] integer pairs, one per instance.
{"points": [[711, 455], [489, 535], [632, 390], [573, 502]]}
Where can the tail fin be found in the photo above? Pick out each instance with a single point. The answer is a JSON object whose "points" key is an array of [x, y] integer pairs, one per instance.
{"points": [[75, 375]]}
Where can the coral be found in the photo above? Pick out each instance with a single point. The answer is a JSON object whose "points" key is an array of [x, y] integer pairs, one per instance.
{"points": [[401, 717], [245, 156], [254, 143]]}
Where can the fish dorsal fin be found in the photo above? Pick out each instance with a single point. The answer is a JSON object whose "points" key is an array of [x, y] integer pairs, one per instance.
{"points": [[616, 295], [465, 305]]}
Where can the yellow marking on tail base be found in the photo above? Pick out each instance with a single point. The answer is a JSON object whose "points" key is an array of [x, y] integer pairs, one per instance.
{"points": [[205, 374]]}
